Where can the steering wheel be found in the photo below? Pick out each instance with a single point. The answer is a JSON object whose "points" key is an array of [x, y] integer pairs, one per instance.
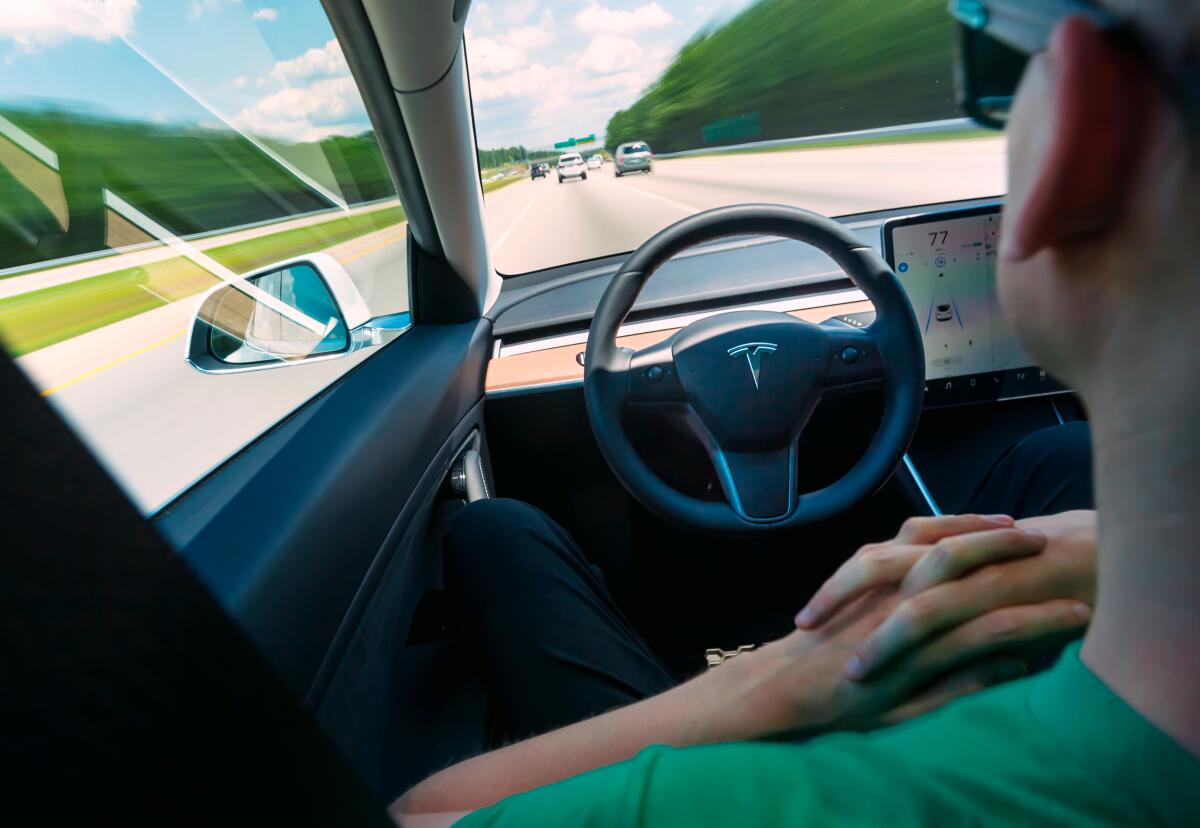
{"points": [[747, 381]]}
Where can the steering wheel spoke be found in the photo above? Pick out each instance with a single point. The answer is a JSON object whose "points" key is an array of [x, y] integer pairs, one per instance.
{"points": [[653, 377], [855, 362], [760, 485]]}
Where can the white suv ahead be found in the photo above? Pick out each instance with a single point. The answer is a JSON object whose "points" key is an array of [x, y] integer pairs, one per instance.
{"points": [[571, 165]]}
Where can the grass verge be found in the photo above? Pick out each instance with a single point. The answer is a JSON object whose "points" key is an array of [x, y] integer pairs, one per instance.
{"points": [[492, 186], [44, 317]]}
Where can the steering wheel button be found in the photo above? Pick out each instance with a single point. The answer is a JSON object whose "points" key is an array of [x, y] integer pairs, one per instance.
{"points": [[849, 355], [655, 373]]}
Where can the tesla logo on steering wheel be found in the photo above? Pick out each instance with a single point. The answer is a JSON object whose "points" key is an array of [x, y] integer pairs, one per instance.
{"points": [[753, 352]]}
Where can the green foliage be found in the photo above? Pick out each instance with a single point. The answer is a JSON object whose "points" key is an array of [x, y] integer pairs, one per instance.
{"points": [[500, 157], [493, 158], [189, 179], [804, 67], [43, 317]]}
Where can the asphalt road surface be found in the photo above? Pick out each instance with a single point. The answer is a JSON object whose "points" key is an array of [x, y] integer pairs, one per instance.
{"points": [[159, 425], [540, 223]]}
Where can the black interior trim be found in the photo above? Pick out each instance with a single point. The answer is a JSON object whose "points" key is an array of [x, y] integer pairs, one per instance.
{"points": [[130, 697], [352, 27], [260, 533], [427, 488], [439, 295]]}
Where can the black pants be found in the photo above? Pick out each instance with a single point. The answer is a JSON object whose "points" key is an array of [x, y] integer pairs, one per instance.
{"points": [[555, 648]]}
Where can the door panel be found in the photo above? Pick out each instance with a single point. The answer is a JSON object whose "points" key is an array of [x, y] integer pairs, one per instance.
{"points": [[287, 533]]}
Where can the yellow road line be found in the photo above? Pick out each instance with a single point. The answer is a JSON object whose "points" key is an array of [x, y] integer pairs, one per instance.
{"points": [[369, 250], [112, 363]]}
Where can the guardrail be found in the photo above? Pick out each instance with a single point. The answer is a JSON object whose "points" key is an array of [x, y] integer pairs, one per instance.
{"points": [[356, 209], [948, 125]]}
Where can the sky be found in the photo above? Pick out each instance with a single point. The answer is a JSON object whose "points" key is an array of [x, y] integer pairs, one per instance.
{"points": [[270, 67], [546, 70], [541, 70]]}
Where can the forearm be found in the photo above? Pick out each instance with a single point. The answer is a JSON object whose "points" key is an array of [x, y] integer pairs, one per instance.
{"points": [[700, 711]]}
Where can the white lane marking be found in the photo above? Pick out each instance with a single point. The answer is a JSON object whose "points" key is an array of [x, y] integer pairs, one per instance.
{"points": [[678, 205], [513, 226]]}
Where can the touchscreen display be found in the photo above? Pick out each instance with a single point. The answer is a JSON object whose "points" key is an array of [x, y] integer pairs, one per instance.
{"points": [[947, 265]]}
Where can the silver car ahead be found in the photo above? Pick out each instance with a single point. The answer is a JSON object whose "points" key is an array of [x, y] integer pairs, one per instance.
{"points": [[632, 157], [570, 165]]}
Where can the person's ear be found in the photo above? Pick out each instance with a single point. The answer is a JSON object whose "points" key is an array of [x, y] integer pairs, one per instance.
{"points": [[1102, 99]]}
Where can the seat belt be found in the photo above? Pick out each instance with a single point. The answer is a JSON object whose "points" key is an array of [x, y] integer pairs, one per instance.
{"points": [[128, 695]]}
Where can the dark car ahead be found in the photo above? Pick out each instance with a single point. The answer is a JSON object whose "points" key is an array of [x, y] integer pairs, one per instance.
{"points": [[537, 170]]}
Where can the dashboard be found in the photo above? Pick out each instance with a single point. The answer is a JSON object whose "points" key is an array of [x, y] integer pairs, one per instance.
{"points": [[945, 257]]}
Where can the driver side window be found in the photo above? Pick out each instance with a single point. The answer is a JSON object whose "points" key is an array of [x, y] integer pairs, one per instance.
{"points": [[198, 231]]}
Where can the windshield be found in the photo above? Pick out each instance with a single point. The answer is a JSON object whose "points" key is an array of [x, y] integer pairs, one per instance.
{"points": [[836, 106]]}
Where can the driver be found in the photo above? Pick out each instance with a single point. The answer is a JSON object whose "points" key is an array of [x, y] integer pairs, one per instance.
{"points": [[1098, 271]]}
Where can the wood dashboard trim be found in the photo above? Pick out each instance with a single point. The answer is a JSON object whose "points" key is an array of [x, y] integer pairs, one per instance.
{"points": [[559, 364]]}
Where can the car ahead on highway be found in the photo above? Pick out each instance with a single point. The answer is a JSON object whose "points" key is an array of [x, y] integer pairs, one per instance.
{"points": [[632, 157], [537, 170], [570, 165], [594, 162], [294, 436]]}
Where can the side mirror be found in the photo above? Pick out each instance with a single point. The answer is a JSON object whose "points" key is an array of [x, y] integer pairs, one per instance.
{"points": [[297, 310]]}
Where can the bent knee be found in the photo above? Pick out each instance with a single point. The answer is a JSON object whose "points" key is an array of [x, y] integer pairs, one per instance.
{"points": [[487, 535], [1067, 446]]}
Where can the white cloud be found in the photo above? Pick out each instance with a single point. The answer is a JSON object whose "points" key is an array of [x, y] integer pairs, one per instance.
{"points": [[325, 107], [626, 82], [265, 13], [240, 82], [609, 53], [519, 10], [196, 10], [32, 24], [318, 62], [531, 83], [598, 19], [199, 7], [505, 52], [491, 56], [528, 37], [314, 97], [481, 16]]}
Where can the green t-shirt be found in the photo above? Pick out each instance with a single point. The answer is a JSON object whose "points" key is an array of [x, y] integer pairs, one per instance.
{"points": [[1055, 749]]}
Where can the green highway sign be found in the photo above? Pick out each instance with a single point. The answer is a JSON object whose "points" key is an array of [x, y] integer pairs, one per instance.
{"points": [[570, 142]]}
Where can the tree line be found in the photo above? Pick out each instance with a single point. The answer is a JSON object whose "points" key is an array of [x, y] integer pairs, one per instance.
{"points": [[789, 68]]}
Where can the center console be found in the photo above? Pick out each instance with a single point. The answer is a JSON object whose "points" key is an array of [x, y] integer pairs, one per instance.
{"points": [[947, 265]]}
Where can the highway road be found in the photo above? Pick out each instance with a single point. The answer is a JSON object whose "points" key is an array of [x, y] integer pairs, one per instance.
{"points": [[540, 223], [159, 425]]}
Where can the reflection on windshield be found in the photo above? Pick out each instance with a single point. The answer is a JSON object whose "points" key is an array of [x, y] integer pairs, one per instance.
{"points": [[838, 106]]}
